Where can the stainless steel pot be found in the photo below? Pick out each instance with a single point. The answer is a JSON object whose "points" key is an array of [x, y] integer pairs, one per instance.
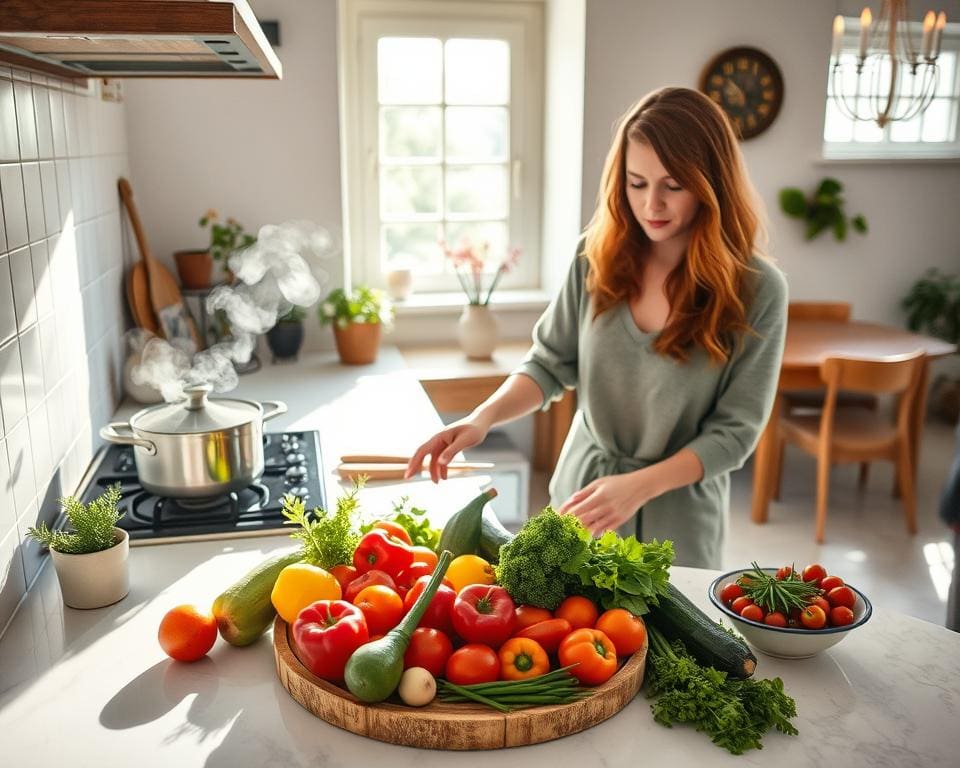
{"points": [[198, 447]]}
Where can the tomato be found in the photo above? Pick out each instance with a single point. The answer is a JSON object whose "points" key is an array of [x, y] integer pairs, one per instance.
{"points": [[815, 573], [740, 603], [730, 592], [425, 555], [627, 632], [473, 663], [579, 611], [841, 596], [752, 612], [775, 619], [522, 658], [408, 578], [483, 614], [549, 633], [344, 574], [440, 608], [784, 573], [823, 603], [429, 648], [394, 529], [841, 616], [367, 580], [813, 617], [829, 582], [527, 615], [592, 652], [382, 607]]}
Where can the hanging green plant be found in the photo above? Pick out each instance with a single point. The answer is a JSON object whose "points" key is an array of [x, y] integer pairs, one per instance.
{"points": [[824, 210]]}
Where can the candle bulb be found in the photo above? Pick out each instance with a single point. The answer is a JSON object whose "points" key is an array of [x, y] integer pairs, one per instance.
{"points": [[866, 19], [837, 36], [938, 33], [928, 21]]}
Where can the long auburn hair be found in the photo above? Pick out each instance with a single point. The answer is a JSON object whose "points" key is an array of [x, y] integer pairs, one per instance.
{"points": [[696, 144]]}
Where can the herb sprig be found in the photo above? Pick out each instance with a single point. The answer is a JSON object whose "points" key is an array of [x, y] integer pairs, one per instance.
{"points": [[93, 525], [773, 594], [327, 539], [414, 521]]}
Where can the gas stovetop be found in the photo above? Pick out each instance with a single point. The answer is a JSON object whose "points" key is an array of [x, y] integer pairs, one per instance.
{"points": [[292, 465]]}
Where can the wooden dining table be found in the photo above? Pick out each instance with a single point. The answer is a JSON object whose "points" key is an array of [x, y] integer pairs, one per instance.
{"points": [[810, 342]]}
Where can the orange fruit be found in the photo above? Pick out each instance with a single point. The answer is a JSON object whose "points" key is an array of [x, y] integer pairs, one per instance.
{"points": [[469, 569], [187, 633]]}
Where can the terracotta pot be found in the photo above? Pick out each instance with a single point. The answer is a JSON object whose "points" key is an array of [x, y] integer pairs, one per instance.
{"points": [[95, 579], [194, 268], [477, 332], [357, 343]]}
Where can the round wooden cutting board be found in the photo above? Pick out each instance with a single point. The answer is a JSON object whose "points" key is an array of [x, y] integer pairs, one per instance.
{"points": [[451, 726]]}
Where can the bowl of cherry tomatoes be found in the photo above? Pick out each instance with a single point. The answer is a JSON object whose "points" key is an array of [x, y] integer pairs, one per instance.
{"points": [[790, 614]]}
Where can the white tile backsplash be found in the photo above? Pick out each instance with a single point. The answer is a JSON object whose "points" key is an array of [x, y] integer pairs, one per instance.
{"points": [[61, 302]]}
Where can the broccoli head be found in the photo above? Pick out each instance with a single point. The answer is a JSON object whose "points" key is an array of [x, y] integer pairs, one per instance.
{"points": [[531, 565]]}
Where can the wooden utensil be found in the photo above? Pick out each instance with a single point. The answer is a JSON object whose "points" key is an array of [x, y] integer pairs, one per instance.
{"points": [[138, 298], [170, 315], [396, 470]]}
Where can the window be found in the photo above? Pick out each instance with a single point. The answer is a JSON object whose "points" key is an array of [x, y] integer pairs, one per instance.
{"points": [[442, 105], [933, 133]]}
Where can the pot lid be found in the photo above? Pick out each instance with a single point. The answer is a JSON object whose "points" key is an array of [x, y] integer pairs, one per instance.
{"points": [[196, 414]]}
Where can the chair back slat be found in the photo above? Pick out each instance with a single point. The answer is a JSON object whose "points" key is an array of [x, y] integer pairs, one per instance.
{"points": [[837, 311]]}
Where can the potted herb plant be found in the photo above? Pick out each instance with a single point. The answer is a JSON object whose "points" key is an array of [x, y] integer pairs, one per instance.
{"points": [[358, 318], [195, 266], [933, 307], [822, 211], [91, 559], [286, 337]]}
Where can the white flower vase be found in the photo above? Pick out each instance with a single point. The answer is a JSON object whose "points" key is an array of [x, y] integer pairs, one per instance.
{"points": [[96, 579], [477, 332]]}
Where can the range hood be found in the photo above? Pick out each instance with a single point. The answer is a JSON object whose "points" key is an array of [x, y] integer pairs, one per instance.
{"points": [[136, 38]]}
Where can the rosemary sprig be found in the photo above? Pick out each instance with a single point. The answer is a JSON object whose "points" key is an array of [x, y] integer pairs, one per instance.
{"points": [[774, 594]]}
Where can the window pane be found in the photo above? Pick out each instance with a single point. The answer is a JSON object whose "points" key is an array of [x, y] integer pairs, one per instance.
{"points": [[477, 232], [937, 121], [836, 126], [412, 246], [947, 62], [477, 190], [866, 130], [476, 134], [409, 70], [409, 190], [410, 132], [906, 130], [477, 71]]}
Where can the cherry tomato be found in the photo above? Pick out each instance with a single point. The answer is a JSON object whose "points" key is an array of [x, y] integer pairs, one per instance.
{"points": [[527, 615], [593, 654], [784, 573], [429, 648], [549, 633], [740, 603], [841, 596], [813, 617], [829, 582], [408, 578], [823, 603], [752, 612], [815, 573], [473, 663], [344, 574], [438, 614], [627, 632], [382, 607], [425, 555], [579, 611], [367, 580], [394, 529], [775, 619], [730, 592], [841, 616]]}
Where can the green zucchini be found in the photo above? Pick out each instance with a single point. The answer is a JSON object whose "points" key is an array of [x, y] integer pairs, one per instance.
{"points": [[492, 536], [461, 534], [678, 618]]}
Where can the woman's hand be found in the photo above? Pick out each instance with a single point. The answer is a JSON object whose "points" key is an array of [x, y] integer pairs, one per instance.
{"points": [[443, 446], [608, 502]]}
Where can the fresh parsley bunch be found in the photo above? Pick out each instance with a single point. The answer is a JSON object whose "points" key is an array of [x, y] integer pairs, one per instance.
{"points": [[327, 539], [414, 521]]}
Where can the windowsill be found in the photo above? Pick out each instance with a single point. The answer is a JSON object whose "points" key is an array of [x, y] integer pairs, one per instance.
{"points": [[885, 159], [453, 303]]}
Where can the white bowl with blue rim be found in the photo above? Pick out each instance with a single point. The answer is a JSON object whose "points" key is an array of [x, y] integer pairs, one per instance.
{"points": [[787, 642]]}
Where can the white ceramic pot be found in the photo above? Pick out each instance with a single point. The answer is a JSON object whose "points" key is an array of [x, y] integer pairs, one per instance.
{"points": [[95, 579], [477, 332], [399, 283]]}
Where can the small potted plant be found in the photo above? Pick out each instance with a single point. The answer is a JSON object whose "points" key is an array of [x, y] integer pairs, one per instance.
{"points": [[824, 210], [358, 318], [195, 266], [286, 337], [91, 559]]}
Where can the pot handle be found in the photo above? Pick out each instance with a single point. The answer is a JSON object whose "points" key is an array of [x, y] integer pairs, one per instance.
{"points": [[111, 434], [273, 408]]}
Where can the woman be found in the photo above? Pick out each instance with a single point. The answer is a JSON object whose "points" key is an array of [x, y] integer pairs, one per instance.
{"points": [[670, 327]]}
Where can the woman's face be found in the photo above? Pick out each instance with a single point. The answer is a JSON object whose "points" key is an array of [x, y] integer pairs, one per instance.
{"points": [[662, 207]]}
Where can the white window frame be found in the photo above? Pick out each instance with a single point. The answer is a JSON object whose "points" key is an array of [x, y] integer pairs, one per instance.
{"points": [[361, 23], [887, 149]]}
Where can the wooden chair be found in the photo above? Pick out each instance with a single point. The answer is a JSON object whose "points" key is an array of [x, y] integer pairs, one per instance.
{"points": [[837, 436]]}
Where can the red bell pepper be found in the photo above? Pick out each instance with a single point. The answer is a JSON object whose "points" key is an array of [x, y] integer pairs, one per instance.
{"points": [[484, 614], [383, 552], [326, 634]]}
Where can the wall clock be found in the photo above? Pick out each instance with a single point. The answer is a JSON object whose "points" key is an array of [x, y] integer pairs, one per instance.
{"points": [[746, 83]]}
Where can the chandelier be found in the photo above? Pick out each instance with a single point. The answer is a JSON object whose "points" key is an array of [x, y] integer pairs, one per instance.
{"points": [[890, 78]]}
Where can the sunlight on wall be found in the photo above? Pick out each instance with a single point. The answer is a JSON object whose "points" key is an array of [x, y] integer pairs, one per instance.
{"points": [[940, 561]]}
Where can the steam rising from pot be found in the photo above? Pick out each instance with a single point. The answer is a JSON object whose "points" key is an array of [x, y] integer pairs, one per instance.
{"points": [[279, 271]]}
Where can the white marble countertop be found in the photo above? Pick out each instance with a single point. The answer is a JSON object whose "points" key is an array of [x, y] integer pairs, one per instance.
{"points": [[93, 688]]}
